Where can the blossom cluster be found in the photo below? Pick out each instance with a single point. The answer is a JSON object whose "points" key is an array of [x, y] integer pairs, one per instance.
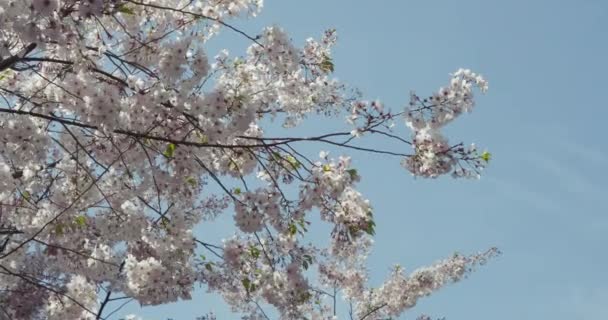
{"points": [[120, 133], [434, 156]]}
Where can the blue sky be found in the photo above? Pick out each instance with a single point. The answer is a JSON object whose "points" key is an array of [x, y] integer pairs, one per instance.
{"points": [[542, 200]]}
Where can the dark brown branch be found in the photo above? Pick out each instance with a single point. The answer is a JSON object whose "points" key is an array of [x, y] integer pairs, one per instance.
{"points": [[198, 16], [56, 217], [373, 311], [37, 283], [12, 60], [65, 62], [103, 305], [281, 141]]}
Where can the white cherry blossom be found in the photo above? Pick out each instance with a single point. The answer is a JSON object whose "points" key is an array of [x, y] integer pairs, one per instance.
{"points": [[121, 131]]}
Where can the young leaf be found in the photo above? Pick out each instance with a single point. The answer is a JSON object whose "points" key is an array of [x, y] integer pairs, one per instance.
{"points": [[202, 138], [353, 173], [233, 166], [191, 181], [293, 162], [255, 252], [327, 64], [308, 258], [292, 229], [80, 221], [59, 229], [5, 73], [302, 224], [164, 222], [246, 283], [486, 156], [170, 150], [123, 8], [370, 228]]}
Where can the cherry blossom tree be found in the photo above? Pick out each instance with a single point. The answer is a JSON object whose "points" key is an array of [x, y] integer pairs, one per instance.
{"points": [[120, 133]]}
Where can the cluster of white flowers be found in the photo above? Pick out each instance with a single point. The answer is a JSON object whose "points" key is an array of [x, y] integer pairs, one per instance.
{"points": [[78, 301], [248, 221], [151, 282], [221, 8], [22, 140], [331, 178], [120, 133], [173, 59], [45, 8], [401, 292], [433, 155], [254, 209], [353, 210]]}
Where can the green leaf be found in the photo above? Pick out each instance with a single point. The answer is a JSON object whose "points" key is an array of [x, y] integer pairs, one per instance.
{"points": [[302, 224], [307, 261], [326, 168], [237, 191], [203, 257], [255, 252], [59, 229], [371, 225], [353, 173], [293, 162], [246, 283], [308, 258], [486, 156], [164, 222], [192, 181], [204, 139], [80, 221], [233, 166], [5, 74], [123, 8], [26, 195], [209, 266], [241, 99], [305, 296], [327, 64], [292, 229], [170, 150]]}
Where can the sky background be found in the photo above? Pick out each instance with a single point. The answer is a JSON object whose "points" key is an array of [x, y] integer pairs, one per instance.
{"points": [[542, 200]]}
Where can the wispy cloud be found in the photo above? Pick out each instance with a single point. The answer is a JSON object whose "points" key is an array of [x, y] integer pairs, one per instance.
{"points": [[520, 192], [565, 176], [587, 303]]}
